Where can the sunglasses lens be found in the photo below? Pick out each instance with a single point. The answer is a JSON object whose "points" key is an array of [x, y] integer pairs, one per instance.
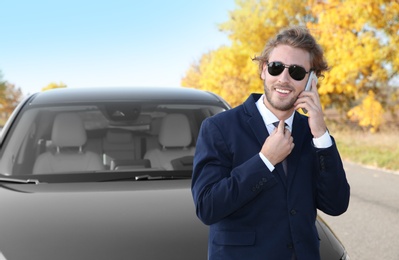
{"points": [[275, 68], [296, 72]]}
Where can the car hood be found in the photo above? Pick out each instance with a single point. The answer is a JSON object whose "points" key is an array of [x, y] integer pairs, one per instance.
{"points": [[113, 220]]}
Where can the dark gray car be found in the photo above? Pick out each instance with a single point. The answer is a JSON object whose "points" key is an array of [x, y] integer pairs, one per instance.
{"points": [[104, 173]]}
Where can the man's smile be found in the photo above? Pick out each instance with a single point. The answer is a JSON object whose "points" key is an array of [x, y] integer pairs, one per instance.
{"points": [[283, 91]]}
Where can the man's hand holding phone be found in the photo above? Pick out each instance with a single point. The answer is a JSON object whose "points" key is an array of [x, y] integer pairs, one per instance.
{"points": [[310, 100]]}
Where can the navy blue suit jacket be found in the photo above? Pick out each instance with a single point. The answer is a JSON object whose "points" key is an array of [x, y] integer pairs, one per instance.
{"points": [[254, 213]]}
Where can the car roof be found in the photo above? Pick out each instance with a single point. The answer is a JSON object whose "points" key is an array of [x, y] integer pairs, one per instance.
{"points": [[96, 94]]}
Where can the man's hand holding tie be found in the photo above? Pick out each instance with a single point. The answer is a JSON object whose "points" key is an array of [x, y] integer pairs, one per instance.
{"points": [[278, 145]]}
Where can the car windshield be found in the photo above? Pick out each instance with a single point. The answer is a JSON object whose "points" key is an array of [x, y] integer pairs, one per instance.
{"points": [[103, 137]]}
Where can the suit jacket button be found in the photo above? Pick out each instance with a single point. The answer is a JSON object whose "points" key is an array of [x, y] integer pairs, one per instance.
{"points": [[264, 179], [293, 212]]}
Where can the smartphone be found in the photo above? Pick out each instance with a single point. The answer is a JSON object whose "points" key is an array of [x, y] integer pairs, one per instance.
{"points": [[308, 86], [312, 77]]}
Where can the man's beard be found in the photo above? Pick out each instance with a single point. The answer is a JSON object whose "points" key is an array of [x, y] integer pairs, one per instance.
{"points": [[280, 105]]}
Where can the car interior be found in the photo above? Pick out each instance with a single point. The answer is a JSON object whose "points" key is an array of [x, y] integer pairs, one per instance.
{"points": [[83, 138]]}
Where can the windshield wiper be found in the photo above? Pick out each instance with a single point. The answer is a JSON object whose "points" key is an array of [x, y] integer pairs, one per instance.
{"points": [[19, 181], [146, 177], [167, 177]]}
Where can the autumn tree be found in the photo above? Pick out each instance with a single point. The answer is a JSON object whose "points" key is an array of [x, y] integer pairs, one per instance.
{"points": [[53, 85], [360, 40], [3, 86], [10, 96]]}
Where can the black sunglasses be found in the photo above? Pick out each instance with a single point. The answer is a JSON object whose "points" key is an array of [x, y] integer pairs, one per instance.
{"points": [[296, 72]]}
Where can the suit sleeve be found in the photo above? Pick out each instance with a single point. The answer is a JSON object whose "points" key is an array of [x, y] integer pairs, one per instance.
{"points": [[332, 187], [218, 189]]}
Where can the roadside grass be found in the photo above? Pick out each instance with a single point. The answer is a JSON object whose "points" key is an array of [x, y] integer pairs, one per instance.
{"points": [[379, 150]]}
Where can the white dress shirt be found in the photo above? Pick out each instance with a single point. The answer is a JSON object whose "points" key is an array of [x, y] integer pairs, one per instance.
{"points": [[269, 118]]}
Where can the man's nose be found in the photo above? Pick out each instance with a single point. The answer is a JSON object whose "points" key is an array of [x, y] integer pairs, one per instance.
{"points": [[284, 76]]}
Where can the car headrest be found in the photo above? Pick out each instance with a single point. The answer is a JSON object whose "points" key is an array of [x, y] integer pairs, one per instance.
{"points": [[68, 131], [175, 131]]}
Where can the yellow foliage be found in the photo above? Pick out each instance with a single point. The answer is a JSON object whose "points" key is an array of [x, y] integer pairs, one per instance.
{"points": [[369, 113], [53, 85], [10, 96], [225, 72], [356, 37]]}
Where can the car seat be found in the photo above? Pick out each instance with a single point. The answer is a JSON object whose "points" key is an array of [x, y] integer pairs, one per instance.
{"points": [[68, 136], [118, 144], [175, 139]]}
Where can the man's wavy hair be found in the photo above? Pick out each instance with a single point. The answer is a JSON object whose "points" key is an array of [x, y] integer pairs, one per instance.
{"points": [[297, 37]]}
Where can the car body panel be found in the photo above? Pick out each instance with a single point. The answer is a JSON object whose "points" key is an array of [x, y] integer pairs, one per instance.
{"points": [[117, 220]]}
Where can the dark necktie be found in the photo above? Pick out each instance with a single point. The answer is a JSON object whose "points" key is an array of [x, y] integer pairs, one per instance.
{"points": [[276, 124], [284, 162]]}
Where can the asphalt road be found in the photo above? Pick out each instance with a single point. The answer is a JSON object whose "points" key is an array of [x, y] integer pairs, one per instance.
{"points": [[370, 227]]}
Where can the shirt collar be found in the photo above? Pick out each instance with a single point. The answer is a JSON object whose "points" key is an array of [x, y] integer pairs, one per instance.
{"points": [[268, 117]]}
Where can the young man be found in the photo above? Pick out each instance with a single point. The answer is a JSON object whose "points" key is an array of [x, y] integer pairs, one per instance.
{"points": [[261, 170]]}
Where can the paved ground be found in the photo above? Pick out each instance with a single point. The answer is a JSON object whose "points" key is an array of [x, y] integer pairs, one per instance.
{"points": [[370, 227]]}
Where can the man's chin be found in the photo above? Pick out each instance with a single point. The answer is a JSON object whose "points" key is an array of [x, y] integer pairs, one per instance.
{"points": [[283, 107]]}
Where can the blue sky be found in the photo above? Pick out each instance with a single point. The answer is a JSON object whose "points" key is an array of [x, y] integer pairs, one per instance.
{"points": [[106, 43]]}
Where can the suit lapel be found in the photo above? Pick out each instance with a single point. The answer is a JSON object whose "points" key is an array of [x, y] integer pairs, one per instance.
{"points": [[255, 122]]}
